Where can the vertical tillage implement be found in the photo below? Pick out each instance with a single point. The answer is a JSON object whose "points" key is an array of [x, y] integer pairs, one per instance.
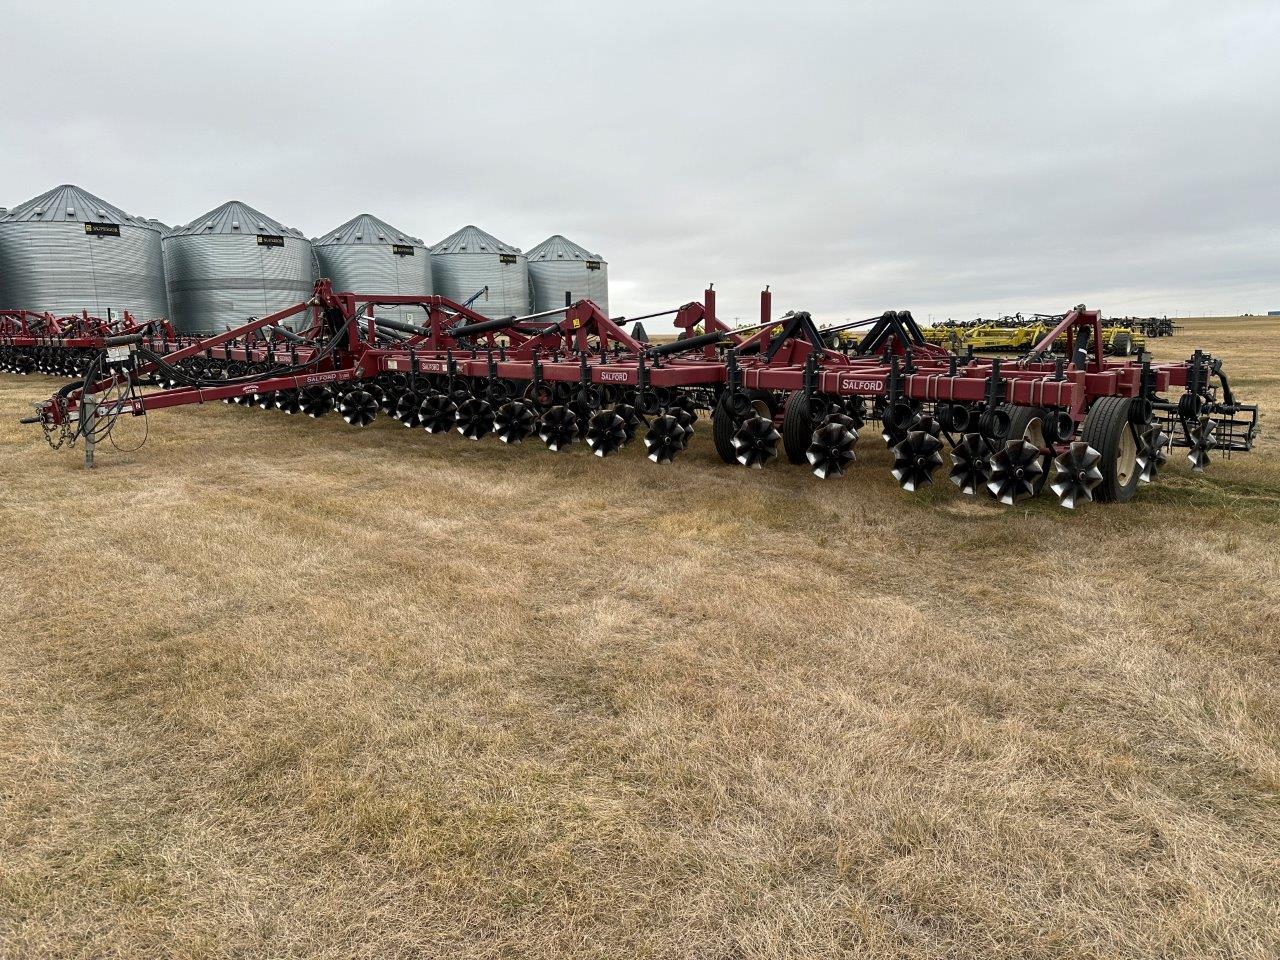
{"points": [[1087, 427], [62, 346]]}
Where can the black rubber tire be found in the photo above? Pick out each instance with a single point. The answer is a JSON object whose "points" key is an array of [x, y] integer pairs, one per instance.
{"points": [[903, 409], [1025, 423], [724, 425], [1107, 429], [797, 427], [543, 398], [1122, 345]]}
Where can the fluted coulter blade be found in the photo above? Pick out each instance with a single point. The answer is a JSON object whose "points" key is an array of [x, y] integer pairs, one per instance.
{"points": [[971, 464], [514, 421], [756, 442], [832, 447], [358, 407], [558, 428], [1076, 474], [1014, 471], [916, 458]]}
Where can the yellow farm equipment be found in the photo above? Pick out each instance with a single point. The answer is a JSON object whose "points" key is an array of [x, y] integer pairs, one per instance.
{"points": [[1017, 334]]}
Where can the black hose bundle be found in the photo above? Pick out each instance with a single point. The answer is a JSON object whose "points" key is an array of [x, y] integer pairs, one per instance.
{"points": [[122, 390], [184, 378]]}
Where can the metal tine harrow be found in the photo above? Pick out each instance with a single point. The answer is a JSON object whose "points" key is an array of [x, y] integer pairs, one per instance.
{"points": [[1088, 427]]}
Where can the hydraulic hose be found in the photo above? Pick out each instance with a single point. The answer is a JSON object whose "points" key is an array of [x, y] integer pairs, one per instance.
{"points": [[688, 343]]}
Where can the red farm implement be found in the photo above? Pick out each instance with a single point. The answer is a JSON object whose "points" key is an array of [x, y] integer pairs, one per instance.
{"points": [[63, 346], [1085, 426]]}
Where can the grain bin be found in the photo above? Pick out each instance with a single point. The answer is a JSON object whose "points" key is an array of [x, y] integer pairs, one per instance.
{"points": [[234, 263], [558, 266], [368, 255], [67, 251], [469, 260]]}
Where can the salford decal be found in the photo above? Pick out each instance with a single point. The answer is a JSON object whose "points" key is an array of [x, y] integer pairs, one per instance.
{"points": [[861, 386], [432, 367], [320, 378], [619, 376]]}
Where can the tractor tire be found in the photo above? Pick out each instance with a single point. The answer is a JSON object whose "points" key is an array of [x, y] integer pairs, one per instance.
{"points": [[1107, 429], [722, 429], [1027, 423], [797, 427], [1121, 345], [724, 424]]}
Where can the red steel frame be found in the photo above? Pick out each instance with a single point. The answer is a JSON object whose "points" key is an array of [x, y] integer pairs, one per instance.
{"points": [[585, 347], [27, 331], [922, 374]]}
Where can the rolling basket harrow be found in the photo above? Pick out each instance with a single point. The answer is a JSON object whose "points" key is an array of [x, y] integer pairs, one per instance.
{"points": [[1086, 427]]}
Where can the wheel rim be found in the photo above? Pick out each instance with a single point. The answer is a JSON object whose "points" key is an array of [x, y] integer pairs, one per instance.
{"points": [[1034, 434], [1126, 457]]}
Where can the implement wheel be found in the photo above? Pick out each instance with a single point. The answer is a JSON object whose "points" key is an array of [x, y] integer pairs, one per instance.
{"points": [[797, 427], [724, 422], [1108, 430], [1028, 423]]}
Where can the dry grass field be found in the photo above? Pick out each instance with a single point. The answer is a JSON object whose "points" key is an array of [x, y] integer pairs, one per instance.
{"points": [[273, 687]]}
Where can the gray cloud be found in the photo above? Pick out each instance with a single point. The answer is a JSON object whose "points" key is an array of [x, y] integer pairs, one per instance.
{"points": [[950, 158]]}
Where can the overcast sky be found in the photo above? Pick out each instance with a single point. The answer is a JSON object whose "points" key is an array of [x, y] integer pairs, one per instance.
{"points": [[952, 158]]}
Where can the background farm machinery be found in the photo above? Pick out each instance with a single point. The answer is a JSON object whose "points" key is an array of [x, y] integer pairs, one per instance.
{"points": [[64, 346], [1150, 327], [1120, 337], [1059, 416]]}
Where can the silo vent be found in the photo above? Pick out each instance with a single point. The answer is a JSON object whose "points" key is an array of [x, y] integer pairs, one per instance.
{"points": [[71, 211], [235, 224]]}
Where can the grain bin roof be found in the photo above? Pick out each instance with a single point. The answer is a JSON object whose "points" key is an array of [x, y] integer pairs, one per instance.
{"points": [[233, 217], [71, 204], [366, 228], [558, 248], [471, 239]]}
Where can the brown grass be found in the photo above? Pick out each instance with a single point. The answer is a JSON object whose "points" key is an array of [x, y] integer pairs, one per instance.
{"points": [[272, 687]]}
